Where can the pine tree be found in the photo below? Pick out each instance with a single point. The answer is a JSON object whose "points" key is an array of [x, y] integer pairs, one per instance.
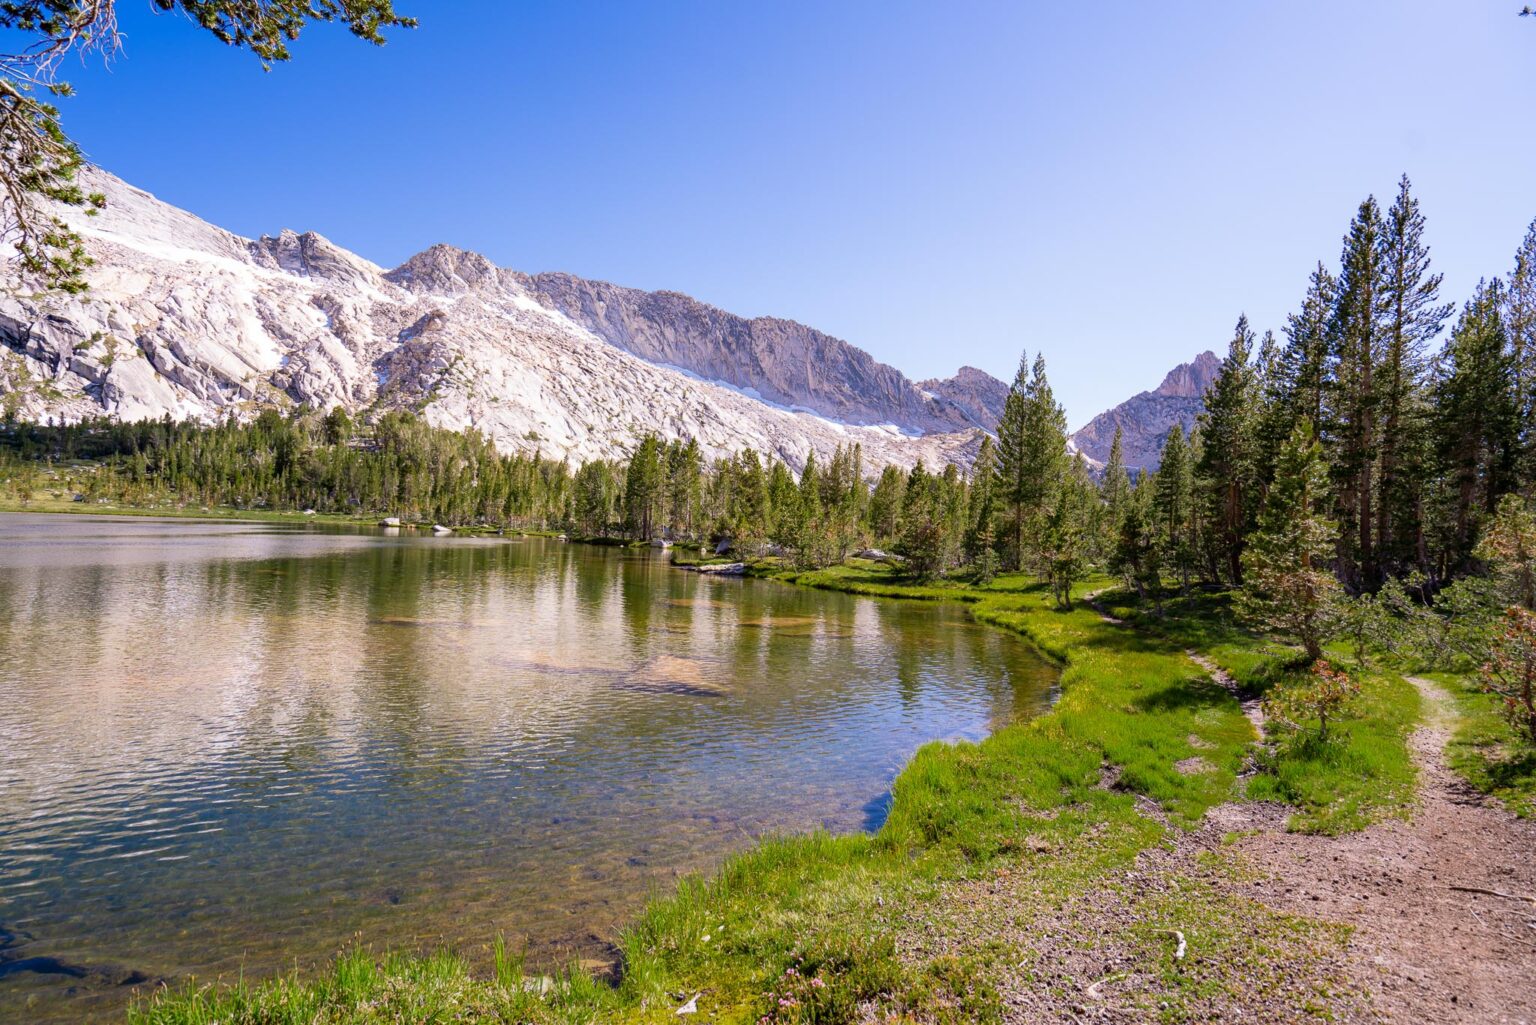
{"points": [[1116, 487], [922, 527], [1013, 460], [1288, 587], [885, 505], [643, 488], [751, 515], [1352, 427], [1225, 470], [1067, 528], [1412, 317], [1520, 324], [980, 534], [1135, 553], [1173, 502], [813, 541], [1272, 417], [1476, 427], [1041, 459], [784, 504], [1305, 362]]}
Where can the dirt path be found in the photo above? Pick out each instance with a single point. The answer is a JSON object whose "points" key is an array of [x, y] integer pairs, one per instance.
{"points": [[1253, 708], [1366, 928], [1380, 926], [1424, 951]]}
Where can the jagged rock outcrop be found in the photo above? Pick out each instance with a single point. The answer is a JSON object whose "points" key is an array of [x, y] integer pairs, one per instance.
{"points": [[780, 361], [1145, 419], [976, 392], [186, 319]]}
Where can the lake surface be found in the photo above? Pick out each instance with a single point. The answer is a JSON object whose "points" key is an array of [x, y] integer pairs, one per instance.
{"points": [[236, 746]]}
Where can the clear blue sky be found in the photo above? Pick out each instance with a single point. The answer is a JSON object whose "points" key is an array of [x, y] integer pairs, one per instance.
{"points": [[939, 183]]}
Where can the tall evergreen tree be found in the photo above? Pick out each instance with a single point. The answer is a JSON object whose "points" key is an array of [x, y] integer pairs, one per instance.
{"points": [[1271, 417], [752, 518], [1013, 467], [785, 504], [885, 505], [1226, 468], [1135, 553], [982, 515], [1412, 316], [1067, 527], [1476, 425], [1116, 488], [1353, 428], [1520, 324], [1044, 463], [643, 488], [1173, 502], [684, 466], [1288, 586], [1304, 364]]}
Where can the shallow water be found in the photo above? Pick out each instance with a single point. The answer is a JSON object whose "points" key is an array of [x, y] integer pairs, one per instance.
{"points": [[236, 746]]}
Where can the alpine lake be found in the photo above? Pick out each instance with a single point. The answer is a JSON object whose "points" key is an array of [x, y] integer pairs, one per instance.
{"points": [[236, 748]]}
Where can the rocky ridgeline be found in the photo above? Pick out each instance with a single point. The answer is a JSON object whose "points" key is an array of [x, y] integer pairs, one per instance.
{"points": [[784, 362], [188, 320]]}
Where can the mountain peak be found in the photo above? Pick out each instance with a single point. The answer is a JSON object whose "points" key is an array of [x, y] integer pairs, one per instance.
{"points": [[1145, 419], [443, 269], [1190, 380], [189, 320], [977, 393], [309, 255]]}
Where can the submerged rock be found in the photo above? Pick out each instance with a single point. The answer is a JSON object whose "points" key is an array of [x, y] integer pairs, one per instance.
{"points": [[721, 569]]}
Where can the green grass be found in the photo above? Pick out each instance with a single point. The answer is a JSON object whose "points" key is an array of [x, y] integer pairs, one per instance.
{"points": [[1132, 706], [690, 556], [1363, 772], [1485, 751], [870, 579]]}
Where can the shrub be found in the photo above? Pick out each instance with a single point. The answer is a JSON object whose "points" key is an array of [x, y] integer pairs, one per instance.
{"points": [[1510, 672], [1322, 694]]}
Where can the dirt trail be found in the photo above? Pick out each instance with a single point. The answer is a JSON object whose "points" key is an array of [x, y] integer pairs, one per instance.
{"points": [[1425, 951], [1419, 950], [1424, 946]]}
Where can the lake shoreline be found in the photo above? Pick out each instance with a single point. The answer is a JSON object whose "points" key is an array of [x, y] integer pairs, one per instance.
{"points": [[775, 623], [938, 828]]}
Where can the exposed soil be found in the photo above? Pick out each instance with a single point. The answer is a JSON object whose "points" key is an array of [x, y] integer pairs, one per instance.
{"points": [[1181, 939], [1427, 952]]}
